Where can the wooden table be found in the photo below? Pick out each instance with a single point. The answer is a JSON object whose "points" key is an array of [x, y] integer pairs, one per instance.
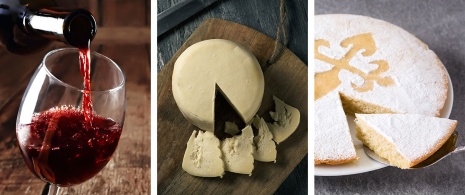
{"points": [[126, 40], [441, 26], [259, 15]]}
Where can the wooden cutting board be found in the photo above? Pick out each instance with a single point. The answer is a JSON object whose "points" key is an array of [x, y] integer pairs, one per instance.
{"points": [[287, 79]]}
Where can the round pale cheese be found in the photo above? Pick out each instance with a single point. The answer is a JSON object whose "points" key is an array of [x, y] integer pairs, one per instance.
{"points": [[217, 66]]}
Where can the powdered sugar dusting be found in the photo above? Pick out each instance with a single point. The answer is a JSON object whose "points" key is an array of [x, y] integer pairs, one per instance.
{"points": [[346, 75], [413, 135], [332, 134], [420, 78], [362, 63], [321, 66]]}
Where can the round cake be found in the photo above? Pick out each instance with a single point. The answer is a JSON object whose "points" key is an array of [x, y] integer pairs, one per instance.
{"points": [[375, 67], [217, 66]]}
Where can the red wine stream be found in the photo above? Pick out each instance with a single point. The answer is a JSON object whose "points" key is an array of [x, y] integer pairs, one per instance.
{"points": [[84, 63]]}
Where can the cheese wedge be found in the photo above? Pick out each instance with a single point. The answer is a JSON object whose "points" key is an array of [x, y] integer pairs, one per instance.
{"points": [[203, 156], [287, 119], [238, 152], [265, 148], [403, 139], [213, 66]]}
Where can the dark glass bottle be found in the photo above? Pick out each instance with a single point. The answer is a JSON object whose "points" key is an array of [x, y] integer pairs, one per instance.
{"points": [[25, 28]]}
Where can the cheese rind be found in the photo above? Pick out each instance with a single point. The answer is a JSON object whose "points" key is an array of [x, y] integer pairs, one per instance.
{"points": [[265, 148], [203, 156], [217, 64], [287, 119], [238, 152]]}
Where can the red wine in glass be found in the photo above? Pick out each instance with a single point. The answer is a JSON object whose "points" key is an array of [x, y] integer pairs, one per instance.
{"points": [[58, 147], [70, 143]]}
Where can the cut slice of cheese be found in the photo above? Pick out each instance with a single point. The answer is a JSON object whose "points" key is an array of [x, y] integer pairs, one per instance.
{"points": [[212, 65], [231, 128], [265, 148], [203, 156], [287, 119], [238, 152]]}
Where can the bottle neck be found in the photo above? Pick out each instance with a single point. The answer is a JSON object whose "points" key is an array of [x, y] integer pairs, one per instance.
{"points": [[75, 27]]}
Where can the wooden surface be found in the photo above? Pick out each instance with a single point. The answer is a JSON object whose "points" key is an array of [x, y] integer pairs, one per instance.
{"points": [[286, 79], [127, 43], [441, 26], [262, 16]]}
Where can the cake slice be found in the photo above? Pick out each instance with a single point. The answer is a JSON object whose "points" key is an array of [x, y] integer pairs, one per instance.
{"points": [[403, 139], [333, 143]]}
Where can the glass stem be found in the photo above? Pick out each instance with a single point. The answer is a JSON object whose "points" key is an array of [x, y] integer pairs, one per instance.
{"points": [[53, 189]]}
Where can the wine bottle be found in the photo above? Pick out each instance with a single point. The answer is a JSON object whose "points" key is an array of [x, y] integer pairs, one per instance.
{"points": [[25, 28]]}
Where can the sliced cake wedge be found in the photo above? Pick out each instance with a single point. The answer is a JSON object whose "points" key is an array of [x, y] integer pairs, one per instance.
{"points": [[403, 139], [333, 143]]}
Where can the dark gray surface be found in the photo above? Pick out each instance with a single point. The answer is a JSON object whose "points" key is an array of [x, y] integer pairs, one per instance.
{"points": [[441, 25], [261, 15]]}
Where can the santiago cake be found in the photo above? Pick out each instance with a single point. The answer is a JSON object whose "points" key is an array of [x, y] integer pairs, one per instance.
{"points": [[376, 67]]}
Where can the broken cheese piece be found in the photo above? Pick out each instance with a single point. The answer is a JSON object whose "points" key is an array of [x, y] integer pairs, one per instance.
{"points": [[217, 66], [238, 152], [203, 156], [287, 119], [265, 148]]}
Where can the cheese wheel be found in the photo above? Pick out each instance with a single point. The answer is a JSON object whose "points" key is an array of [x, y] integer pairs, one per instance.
{"points": [[213, 66]]}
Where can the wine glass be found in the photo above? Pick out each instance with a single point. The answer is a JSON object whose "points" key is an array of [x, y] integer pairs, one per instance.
{"points": [[56, 142]]}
